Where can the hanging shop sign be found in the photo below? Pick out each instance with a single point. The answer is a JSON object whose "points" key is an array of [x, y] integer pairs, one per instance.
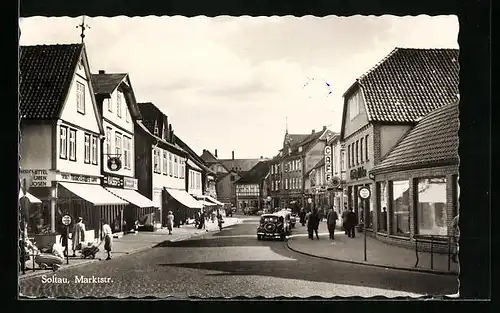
{"points": [[357, 173], [130, 183], [37, 178], [78, 178], [114, 164], [328, 164], [113, 181]]}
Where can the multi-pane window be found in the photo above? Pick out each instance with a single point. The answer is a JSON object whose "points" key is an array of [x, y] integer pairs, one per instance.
{"points": [[366, 148], [176, 167], [86, 150], [400, 208], [118, 144], [80, 97], [63, 142], [156, 160], [183, 169], [361, 154], [342, 160], [93, 150], [108, 139], [165, 162], [170, 165], [72, 144], [126, 152], [119, 104], [109, 104], [198, 180]]}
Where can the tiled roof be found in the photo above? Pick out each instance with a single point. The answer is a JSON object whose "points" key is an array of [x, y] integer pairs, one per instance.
{"points": [[207, 156], [239, 165], [410, 83], [306, 144], [256, 174], [106, 83], [295, 139], [433, 140], [45, 73]]}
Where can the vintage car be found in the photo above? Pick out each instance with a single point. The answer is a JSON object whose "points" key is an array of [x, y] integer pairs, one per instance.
{"points": [[274, 225]]}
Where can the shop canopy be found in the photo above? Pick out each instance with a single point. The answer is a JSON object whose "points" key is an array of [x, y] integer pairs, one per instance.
{"points": [[212, 200], [94, 194], [206, 203], [133, 197], [184, 198], [30, 197]]}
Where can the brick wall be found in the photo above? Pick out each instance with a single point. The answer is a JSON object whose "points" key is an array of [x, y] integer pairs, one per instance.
{"points": [[451, 173]]}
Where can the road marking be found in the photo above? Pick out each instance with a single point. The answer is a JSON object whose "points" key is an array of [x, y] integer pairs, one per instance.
{"points": [[225, 254]]}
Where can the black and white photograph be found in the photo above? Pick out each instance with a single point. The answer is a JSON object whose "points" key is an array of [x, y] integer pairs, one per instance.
{"points": [[219, 157]]}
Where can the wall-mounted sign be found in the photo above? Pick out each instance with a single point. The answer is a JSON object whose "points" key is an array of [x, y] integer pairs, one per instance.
{"points": [[37, 178], [78, 178], [130, 183], [357, 173], [328, 164], [364, 193], [113, 181], [114, 164]]}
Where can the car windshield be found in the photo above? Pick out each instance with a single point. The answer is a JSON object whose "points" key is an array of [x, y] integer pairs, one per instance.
{"points": [[267, 219]]}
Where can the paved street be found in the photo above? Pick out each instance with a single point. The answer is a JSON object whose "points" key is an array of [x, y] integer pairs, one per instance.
{"points": [[232, 263]]}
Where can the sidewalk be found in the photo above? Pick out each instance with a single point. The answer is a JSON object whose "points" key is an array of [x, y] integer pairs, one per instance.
{"points": [[378, 253], [132, 243]]}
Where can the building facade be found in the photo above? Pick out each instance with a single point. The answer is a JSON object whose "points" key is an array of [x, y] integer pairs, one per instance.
{"points": [[61, 136], [118, 108], [251, 188], [417, 186], [161, 166], [383, 105]]}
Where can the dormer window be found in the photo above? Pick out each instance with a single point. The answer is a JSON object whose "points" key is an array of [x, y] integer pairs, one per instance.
{"points": [[156, 130]]}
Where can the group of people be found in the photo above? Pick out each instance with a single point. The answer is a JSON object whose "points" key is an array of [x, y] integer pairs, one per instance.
{"points": [[312, 218]]}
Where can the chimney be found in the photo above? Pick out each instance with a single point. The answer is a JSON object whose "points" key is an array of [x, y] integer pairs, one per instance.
{"points": [[313, 131], [233, 154], [102, 72], [324, 128], [261, 157], [216, 153]]}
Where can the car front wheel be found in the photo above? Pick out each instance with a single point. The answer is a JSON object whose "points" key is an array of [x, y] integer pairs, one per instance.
{"points": [[259, 237]]}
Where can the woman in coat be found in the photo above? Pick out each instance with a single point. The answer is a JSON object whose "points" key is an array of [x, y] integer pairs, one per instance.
{"points": [[107, 237], [170, 222], [78, 235]]}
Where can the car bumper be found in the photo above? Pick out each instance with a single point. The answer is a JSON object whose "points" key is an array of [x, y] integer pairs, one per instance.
{"points": [[269, 234]]}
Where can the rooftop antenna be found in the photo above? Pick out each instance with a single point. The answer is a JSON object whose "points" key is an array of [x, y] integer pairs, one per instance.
{"points": [[83, 26]]}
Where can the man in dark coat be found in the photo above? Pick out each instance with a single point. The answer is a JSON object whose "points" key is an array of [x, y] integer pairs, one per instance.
{"points": [[331, 220], [313, 224], [352, 221]]}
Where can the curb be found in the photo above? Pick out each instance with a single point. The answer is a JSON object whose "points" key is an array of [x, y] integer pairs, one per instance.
{"points": [[420, 270]]}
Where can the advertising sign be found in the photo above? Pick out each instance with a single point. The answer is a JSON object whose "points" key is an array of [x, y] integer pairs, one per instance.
{"points": [[328, 164], [129, 183], [113, 181], [77, 178], [37, 178]]}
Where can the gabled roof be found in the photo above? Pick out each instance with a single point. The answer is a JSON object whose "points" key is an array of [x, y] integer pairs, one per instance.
{"points": [[207, 156], [105, 84], [239, 165], [45, 75], [295, 139], [161, 143], [433, 141], [196, 159], [408, 84], [256, 174]]}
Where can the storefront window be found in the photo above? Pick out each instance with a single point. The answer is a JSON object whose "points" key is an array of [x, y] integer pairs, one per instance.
{"points": [[431, 206], [39, 218], [400, 209], [382, 207]]}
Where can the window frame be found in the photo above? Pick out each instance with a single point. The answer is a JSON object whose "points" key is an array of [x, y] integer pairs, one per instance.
{"points": [[361, 150], [366, 148], [164, 160], [170, 165], [176, 166], [63, 129], [86, 148], [80, 97], [127, 152], [74, 143], [119, 104], [109, 139], [357, 152], [118, 139], [94, 150], [156, 160]]}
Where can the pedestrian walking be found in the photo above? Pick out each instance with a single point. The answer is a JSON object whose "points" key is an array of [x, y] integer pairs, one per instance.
{"points": [[64, 240], [344, 221], [352, 221], [302, 216], [78, 235], [313, 224], [456, 237], [331, 220], [170, 222], [107, 237]]}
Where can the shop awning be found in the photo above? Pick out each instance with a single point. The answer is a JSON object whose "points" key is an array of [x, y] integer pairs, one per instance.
{"points": [[209, 199], [133, 197], [30, 197], [184, 198], [94, 194], [206, 203]]}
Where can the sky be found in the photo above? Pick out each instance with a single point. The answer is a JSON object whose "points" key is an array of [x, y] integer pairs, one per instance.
{"points": [[236, 83]]}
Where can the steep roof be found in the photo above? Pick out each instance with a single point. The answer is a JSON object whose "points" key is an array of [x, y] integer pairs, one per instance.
{"points": [[240, 165], [196, 159], [45, 74], [255, 174], [295, 139], [107, 83], [408, 84], [433, 141], [207, 156]]}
